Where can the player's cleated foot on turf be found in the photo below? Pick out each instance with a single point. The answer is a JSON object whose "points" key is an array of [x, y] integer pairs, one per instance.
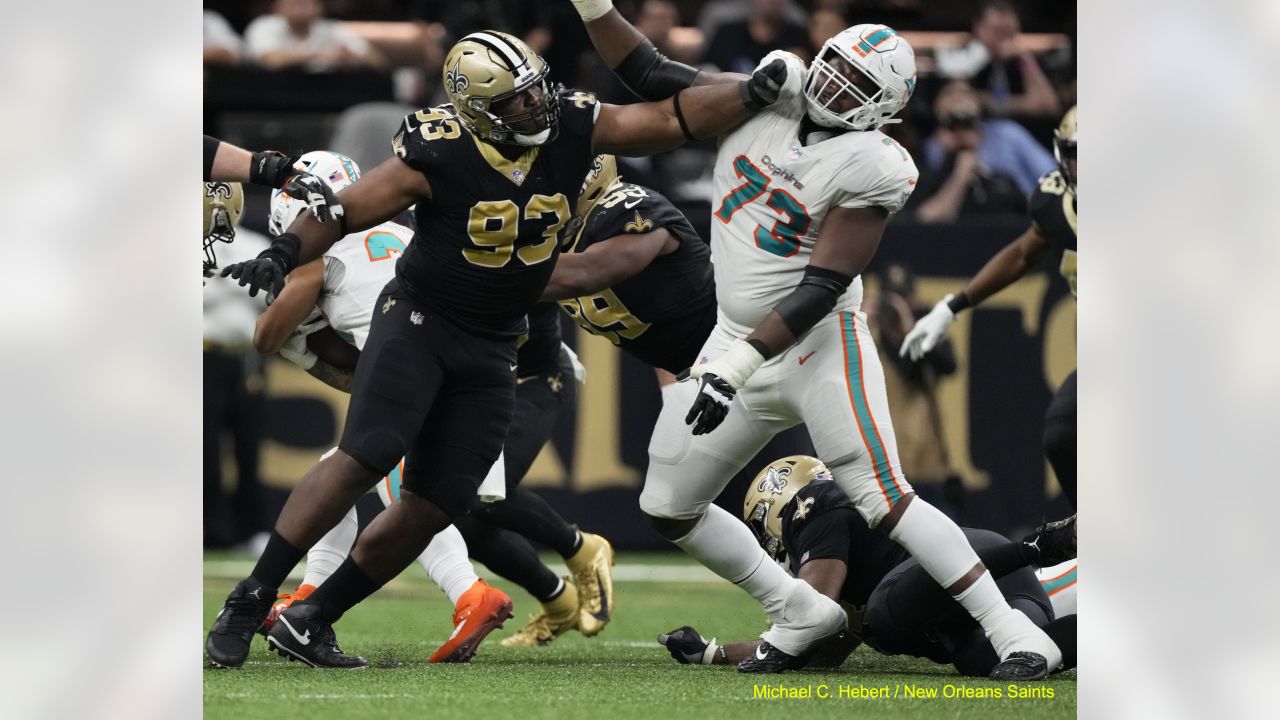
{"points": [[1053, 542], [300, 634], [481, 609], [283, 601], [769, 659], [558, 616], [1021, 666], [803, 620], [592, 568], [232, 632]]}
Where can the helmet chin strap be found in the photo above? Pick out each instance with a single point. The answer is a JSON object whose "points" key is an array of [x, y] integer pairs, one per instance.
{"points": [[539, 138]]}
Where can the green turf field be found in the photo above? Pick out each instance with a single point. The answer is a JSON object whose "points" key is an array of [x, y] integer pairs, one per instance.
{"points": [[622, 673]]}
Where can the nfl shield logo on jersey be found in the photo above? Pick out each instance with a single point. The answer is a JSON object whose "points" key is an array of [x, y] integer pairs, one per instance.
{"points": [[517, 176], [794, 153], [415, 317]]}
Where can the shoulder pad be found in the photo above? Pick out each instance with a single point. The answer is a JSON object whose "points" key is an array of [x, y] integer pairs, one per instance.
{"points": [[421, 136]]}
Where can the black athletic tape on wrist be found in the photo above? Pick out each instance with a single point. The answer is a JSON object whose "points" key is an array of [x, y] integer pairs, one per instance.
{"points": [[210, 152], [759, 346], [684, 126], [959, 302], [812, 299], [652, 75], [287, 248]]}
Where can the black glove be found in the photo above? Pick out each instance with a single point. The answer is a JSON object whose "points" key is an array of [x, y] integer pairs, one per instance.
{"points": [[715, 395], [271, 168], [318, 196], [268, 270], [686, 646], [762, 89]]}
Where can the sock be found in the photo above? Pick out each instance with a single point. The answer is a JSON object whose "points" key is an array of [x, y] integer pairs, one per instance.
{"points": [[557, 592], [726, 546], [277, 559], [327, 554], [342, 591], [526, 513], [942, 550], [510, 556], [446, 563]]}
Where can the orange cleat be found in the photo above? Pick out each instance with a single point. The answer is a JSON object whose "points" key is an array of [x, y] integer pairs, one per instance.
{"points": [[481, 610], [283, 601]]}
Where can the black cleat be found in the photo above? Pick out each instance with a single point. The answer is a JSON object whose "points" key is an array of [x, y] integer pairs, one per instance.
{"points": [[1021, 666], [769, 659], [1053, 543], [833, 651], [300, 634], [232, 632]]}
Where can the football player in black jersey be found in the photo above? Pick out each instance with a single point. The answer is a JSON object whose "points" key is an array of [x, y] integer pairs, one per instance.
{"points": [[1052, 235], [636, 272], [493, 176], [803, 519]]}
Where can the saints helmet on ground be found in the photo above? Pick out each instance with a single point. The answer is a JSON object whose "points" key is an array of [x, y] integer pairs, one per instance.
{"points": [[486, 68], [771, 490], [1064, 146], [223, 204], [879, 53], [333, 169]]}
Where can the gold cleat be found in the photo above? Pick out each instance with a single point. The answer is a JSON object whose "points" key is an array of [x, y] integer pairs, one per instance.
{"points": [[592, 571], [558, 617]]}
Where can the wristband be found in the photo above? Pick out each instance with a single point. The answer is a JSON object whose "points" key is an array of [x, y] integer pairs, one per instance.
{"points": [[958, 302], [737, 364], [684, 126], [709, 655], [590, 10]]}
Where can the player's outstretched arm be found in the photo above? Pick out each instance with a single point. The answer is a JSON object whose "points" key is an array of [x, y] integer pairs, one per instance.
{"points": [[696, 113], [380, 195], [606, 264], [294, 304], [649, 73], [1001, 271]]}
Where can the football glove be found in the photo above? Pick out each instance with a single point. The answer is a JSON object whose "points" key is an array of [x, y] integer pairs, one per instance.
{"points": [[320, 198], [295, 350], [720, 380], [928, 330], [688, 647], [271, 168], [765, 84], [268, 270]]}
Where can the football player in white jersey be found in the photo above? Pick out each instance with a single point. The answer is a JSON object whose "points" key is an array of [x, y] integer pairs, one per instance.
{"points": [[806, 189], [339, 289]]}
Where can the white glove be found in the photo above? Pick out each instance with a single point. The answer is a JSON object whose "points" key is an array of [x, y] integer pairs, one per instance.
{"points": [[791, 96], [579, 370], [928, 330], [592, 9], [295, 350], [735, 366]]}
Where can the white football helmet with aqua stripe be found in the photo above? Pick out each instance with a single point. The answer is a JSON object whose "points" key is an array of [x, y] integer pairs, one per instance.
{"points": [[334, 169], [861, 78]]}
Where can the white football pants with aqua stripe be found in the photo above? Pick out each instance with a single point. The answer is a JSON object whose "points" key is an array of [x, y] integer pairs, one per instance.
{"points": [[831, 381]]}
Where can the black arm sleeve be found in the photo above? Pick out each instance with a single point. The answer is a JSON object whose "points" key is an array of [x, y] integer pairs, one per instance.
{"points": [[652, 75], [812, 299], [210, 150]]}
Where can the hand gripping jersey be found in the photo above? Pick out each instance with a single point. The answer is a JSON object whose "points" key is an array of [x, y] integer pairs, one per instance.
{"points": [[1053, 210], [771, 196], [488, 235], [664, 313], [356, 269]]}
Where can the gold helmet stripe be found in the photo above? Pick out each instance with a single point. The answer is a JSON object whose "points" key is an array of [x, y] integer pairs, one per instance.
{"points": [[507, 51]]}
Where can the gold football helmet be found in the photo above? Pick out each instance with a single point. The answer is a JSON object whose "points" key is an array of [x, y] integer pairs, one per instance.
{"points": [[770, 492], [602, 176], [486, 68], [223, 204], [1064, 146]]}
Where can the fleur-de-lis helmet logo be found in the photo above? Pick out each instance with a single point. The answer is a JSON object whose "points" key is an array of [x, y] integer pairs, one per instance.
{"points": [[456, 81], [774, 480]]}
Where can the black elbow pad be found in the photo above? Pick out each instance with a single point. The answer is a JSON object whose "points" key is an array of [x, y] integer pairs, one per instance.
{"points": [[812, 299], [652, 75]]}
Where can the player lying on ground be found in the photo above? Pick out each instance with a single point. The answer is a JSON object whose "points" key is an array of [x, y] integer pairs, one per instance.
{"points": [[1052, 235], [803, 519], [807, 188], [342, 288], [491, 177]]}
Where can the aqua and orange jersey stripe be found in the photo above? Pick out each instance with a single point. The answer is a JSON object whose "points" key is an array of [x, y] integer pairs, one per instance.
{"points": [[393, 480], [1061, 582], [862, 412]]}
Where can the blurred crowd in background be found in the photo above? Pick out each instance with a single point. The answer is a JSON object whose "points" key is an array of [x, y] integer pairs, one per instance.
{"points": [[994, 79]]}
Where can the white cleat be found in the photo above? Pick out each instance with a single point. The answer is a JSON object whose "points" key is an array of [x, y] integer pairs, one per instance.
{"points": [[805, 618]]}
